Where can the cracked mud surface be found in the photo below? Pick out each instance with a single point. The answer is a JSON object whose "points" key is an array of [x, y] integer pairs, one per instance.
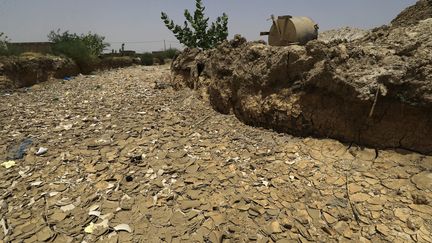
{"points": [[131, 160]]}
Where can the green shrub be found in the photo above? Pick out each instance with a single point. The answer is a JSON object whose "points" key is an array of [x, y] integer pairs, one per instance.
{"points": [[160, 57], [146, 59], [200, 35], [94, 42], [6, 49], [83, 49], [171, 53], [77, 51], [3, 44]]}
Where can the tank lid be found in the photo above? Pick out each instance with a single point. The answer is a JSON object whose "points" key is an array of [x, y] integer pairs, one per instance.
{"points": [[285, 17]]}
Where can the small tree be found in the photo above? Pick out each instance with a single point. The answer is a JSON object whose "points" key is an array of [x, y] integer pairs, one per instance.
{"points": [[3, 44], [83, 49], [92, 41], [196, 31]]}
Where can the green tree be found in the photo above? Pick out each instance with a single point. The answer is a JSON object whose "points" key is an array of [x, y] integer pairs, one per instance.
{"points": [[84, 49], [3, 44], [93, 42], [196, 31]]}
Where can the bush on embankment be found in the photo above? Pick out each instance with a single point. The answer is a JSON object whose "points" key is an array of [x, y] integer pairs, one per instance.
{"points": [[84, 49]]}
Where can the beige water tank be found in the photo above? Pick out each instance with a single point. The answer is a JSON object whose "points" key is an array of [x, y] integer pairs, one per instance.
{"points": [[288, 30]]}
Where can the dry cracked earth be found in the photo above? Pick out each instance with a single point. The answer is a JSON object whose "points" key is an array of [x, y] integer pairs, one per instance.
{"points": [[125, 158]]}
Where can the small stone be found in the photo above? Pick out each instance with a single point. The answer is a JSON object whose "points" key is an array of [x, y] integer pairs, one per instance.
{"points": [[360, 197], [414, 223], [423, 181], [402, 214], [101, 167], [354, 188], [330, 219], [45, 234], [341, 226], [384, 230], [218, 219], [188, 204], [302, 216], [67, 208], [274, 227], [58, 216]]}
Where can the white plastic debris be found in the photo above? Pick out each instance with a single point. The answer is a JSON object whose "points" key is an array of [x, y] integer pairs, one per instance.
{"points": [[3, 224], [94, 208], [67, 208], [8, 164], [90, 228], [67, 127], [41, 151], [36, 183], [95, 213], [123, 227]]}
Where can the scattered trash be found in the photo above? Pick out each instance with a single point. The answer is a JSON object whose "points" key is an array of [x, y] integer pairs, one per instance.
{"points": [[129, 178], [8, 164], [67, 78], [95, 213], [94, 208], [41, 151], [4, 226], [36, 183], [123, 227], [20, 151], [67, 127], [23, 173], [90, 228], [67, 208]]}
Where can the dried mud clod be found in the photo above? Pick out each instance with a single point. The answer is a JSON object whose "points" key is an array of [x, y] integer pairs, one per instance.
{"points": [[373, 90]]}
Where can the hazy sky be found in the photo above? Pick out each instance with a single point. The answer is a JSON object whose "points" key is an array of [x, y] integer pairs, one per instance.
{"points": [[133, 21]]}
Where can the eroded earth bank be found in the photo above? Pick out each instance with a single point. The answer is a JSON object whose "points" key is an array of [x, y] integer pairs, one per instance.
{"points": [[374, 89]]}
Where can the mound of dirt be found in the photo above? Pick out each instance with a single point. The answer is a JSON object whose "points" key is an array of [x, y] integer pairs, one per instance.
{"points": [[412, 15], [27, 70], [376, 91], [32, 68], [345, 34]]}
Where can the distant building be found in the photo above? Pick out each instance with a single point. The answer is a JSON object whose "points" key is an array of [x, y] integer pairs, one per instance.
{"points": [[128, 53]]}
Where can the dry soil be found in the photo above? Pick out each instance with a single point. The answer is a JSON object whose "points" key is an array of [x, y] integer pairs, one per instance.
{"points": [[131, 160]]}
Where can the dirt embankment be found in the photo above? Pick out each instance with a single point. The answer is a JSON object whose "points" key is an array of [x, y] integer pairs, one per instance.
{"points": [[29, 69], [412, 15], [26, 70], [375, 91]]}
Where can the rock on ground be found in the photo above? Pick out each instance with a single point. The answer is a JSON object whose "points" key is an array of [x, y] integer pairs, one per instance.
{"points": [[132, 160]]}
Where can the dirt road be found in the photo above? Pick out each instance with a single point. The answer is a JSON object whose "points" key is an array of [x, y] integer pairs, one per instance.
{"points": [[131, 161]]}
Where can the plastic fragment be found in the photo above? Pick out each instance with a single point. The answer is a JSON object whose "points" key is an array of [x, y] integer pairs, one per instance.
{"points": [[123, 227], [67, 208], [90, 228], [41, 151], [8, 164], [95, 213]]}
